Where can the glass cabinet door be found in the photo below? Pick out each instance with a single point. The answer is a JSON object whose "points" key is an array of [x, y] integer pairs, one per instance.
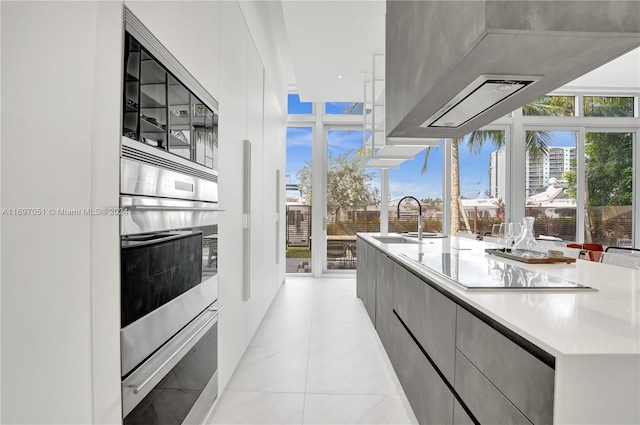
{"points": [[179, 119], [199, 119], [162, 112], [131, 88], [208, 130], [153, 102], [214, 144]]}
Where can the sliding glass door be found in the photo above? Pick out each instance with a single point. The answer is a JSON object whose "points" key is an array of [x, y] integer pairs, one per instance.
{"points": [[352, 197]]}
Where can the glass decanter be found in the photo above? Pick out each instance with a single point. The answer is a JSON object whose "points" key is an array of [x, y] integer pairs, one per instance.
{"points": [[526, 242]]}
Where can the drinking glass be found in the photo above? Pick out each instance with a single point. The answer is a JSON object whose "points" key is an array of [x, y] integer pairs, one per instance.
{"points": [[516, 230], [508, 235]]}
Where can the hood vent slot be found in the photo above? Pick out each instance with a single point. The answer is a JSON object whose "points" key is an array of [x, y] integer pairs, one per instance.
{"points": [[482, 94]]}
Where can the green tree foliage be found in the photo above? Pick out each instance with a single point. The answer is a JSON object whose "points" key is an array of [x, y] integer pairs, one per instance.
{"points": [[348, 185], [571, 177], [431, 201], [609, 169], [551, 106], [606, 106]]}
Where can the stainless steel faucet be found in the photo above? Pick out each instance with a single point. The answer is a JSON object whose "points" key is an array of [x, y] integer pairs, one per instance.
{"points": [[419, 214]]}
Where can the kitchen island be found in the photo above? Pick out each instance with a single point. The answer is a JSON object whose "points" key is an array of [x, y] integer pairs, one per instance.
{"points": [[558, 353]]}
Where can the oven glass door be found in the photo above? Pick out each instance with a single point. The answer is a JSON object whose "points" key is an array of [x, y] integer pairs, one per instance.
{"points": [[168, 278]]}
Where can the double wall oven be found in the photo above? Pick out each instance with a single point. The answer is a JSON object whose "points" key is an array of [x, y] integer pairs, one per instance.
{"points": [[169, 238]]}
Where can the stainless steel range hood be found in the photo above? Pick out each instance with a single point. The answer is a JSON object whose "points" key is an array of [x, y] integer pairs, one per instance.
{"points": [[454, 66], [483, 93]]}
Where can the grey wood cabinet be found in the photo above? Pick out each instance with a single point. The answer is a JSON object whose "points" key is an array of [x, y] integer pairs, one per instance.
{"points": [[385, 270], [460, 417], [486, 402], [361, 278], [447, 356], [371, 283], [429, 396], [523, 378], [430, 316], [366, 270]]}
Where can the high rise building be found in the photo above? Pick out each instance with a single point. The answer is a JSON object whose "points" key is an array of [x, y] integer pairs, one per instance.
{"points": [[558, 160], [538, 170]]}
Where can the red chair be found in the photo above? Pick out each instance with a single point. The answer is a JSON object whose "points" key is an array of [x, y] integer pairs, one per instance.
{"points": [[594, 250]]}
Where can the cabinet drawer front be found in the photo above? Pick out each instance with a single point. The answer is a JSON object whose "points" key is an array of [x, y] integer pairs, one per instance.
{"points": [[429, 396], [370, 273], [521, 377], [430, 316], [460, 417], [484, 400], [361, 276], [384, 299]]}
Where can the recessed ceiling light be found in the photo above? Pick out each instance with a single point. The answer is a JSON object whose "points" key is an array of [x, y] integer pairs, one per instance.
{"points": [[339, 76]]}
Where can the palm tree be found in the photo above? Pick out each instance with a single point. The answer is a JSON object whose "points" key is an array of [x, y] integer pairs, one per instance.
{"points": [[536, 142]]}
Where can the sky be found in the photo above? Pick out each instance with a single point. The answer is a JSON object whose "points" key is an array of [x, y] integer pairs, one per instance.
{"points": [[407, 179]]}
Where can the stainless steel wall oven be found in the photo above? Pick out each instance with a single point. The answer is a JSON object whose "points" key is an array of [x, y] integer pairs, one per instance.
{"points": [[169, 239]]}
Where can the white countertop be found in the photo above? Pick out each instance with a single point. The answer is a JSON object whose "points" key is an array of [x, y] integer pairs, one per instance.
{"points": [[561, 323]]}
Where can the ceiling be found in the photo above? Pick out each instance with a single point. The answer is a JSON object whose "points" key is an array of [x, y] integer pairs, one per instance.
{"points": [[322, 39], [328, 39]]}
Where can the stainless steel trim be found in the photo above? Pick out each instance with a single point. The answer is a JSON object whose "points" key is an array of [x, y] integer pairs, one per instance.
{"points": [[138, 151], [142, 337], [152, 375], [136, 28], [130, 399], [169, 208], [145, 214], [141, 179]]}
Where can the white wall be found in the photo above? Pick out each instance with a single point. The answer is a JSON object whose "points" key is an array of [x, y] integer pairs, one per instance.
{"points": [[61, 95], [620, 73], [51, 76], [105, 243]]}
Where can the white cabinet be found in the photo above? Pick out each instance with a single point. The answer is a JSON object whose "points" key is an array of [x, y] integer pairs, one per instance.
{"points": [[243, 116], [255, 128], [232, 131]]}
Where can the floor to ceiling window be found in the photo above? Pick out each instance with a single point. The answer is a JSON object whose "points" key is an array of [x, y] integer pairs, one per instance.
{"points": [[481, 180], [608, 188], [299, 212], [330, 194], [298, 185], [550, 163], [541, 175], [352, 197]]}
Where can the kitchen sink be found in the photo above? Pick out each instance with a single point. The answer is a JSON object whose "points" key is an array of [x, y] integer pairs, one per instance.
{"points": [[395, 239]]}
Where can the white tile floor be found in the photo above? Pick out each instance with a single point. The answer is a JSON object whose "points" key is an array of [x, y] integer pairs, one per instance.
{"points": [[316, 359]]}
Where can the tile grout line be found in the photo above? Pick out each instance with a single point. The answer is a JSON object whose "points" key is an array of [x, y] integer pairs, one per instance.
{"points": [[306, 376]]}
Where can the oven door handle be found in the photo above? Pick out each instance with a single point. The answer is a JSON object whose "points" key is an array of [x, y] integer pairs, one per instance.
{"points": [[144, 383], [169, 208]]}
